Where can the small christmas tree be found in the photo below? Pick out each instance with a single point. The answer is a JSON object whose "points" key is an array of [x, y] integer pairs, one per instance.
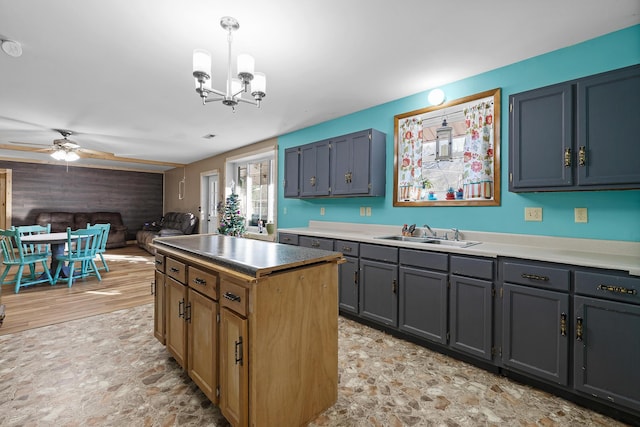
{"points": [[231, 222]]}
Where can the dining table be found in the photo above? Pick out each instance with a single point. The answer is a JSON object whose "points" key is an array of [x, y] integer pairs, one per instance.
{"points": [[57, 241]]}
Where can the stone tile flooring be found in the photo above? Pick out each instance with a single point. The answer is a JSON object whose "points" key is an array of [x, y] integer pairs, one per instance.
{"points": [[109, 370]]}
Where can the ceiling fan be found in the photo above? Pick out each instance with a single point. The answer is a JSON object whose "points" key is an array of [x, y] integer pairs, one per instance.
{"points": [[68, 150]]}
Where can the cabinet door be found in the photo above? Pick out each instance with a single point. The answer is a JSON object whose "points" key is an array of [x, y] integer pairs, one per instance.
{"points": [[176, 332], [314, 169], [423, 303], [234, 368], [535, 332], [158, 307], [471, 313], [350, 164], [348, 285], [541, 129], [607, 140], [291, 172], [379, 291], [202, 333], [607, 350]]}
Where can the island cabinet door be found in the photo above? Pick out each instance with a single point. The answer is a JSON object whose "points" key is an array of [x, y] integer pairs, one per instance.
{"points": [[234, 368], [202, 326], [158, 307], [176, 327]]}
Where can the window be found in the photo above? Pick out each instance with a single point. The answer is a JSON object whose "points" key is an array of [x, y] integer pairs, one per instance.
{"points": [[253, 179]]}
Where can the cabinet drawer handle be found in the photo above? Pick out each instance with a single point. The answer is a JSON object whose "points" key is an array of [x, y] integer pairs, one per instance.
{"points": [[394, 286], [563, 324], [315, 244], [535, 277], [582, 156], [231, 297], [355, 278], [346, 249], [567, 158], [579, 328], [174, 270], [312, 181], [199, 281], [188, 316], [158, 262], [617, 289], [153, 287], [238, 351]]}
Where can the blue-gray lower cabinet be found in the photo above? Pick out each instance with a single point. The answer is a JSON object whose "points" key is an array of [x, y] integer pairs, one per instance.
{"points": [[316, 243], [606, 322], [348, 273], [379, 284], [535, 332], [423, 294], [536, 319]]}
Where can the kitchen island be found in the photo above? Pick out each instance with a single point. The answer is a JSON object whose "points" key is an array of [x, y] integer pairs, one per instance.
{"points": [[254, 324]]}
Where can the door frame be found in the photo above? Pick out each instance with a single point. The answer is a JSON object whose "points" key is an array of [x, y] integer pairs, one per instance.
{"points": [[204, 197], [6, 184]]}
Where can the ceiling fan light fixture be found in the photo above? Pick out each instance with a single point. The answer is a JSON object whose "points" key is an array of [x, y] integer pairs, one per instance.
{"points": [[71, 156], [66, 155], [58, 154]]}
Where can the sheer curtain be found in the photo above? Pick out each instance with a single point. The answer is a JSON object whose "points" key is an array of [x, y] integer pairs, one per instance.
{"points": [[478, 151]]}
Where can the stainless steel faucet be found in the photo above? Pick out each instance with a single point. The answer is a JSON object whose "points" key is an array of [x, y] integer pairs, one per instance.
{"points": [[433, 233], [456, 235]]}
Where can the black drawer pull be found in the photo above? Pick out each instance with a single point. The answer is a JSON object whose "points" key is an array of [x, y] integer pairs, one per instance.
{"points": [[158, 262], [174, 270], [535, 277], [231, 297], [617, 289], [238, 351], [181, 308], [199, 281]]}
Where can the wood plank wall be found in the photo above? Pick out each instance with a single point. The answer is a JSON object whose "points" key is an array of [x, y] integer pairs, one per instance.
{"points": [[138, 196]]}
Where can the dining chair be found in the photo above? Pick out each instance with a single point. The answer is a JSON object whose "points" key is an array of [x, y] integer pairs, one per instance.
{"points": [[103, 243], [82, 246], [13, 254], [34, 248]]}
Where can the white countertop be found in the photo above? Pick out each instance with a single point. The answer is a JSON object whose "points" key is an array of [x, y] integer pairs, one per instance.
{"points": [[609, 254]]}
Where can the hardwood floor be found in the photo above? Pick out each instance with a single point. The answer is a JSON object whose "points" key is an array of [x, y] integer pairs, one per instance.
{"points": [[127, 284]]}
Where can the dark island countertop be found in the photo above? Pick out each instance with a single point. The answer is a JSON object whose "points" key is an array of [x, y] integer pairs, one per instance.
{"points": [[252, 257]]}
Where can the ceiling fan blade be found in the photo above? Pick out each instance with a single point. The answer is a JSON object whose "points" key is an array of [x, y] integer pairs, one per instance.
{"points": [[32, 148], [94, 152], [29, 143]]}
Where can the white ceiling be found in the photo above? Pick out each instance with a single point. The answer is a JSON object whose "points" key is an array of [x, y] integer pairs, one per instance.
{"points": [[118, 72]]}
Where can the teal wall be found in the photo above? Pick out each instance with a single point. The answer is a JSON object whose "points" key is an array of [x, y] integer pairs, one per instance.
{"points": [[613, 215]]}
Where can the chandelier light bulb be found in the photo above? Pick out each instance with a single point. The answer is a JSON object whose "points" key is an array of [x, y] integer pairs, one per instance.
{"points": [[201, 61], [246, 66], [259, 84]]}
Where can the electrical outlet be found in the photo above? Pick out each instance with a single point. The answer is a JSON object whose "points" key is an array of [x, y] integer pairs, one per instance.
{"points": [[284, 211], [533, 214], [321, 211], [361, 210], [581, 215], [368, 210]]}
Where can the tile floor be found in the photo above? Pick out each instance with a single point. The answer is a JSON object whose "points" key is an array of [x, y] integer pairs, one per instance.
{"points": [[109, 370]]}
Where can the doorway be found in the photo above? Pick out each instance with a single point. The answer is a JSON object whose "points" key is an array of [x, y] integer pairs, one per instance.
{"points": [[5, 198], [209, 198]]}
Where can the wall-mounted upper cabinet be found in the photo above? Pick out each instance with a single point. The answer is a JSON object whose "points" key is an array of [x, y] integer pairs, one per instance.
{"points": [[577, 135], [348, 165]]}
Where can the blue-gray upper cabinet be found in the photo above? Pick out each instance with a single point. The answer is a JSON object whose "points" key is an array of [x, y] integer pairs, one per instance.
{"points": [[577, 135], [358, 164], [314, 169], [292, 172]]}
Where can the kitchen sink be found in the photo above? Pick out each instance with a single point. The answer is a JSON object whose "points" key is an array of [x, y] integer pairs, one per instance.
{"points": [[431, 241]]}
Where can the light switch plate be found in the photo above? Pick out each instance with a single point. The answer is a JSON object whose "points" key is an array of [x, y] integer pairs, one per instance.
{"points": [[533, 214], [581, 215], [321, 211], [361, 210], [368, 210]]}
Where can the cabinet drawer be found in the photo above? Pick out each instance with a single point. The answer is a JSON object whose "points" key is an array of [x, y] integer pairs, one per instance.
{"points": [[176, 269], [287, 238], [347, 248], [160, 263], [234, 296], [316, 242], [204, 282], [380, 253], [481, 268], [422, 259], [609, 286], [536, 274]]}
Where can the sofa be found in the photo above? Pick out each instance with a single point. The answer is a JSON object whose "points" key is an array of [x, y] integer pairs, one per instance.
{"points": [[61, 220], [172, 224]]}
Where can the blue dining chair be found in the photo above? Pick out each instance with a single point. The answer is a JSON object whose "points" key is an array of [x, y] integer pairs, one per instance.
{"points": [[82, 247], [13, 255], [103, 243], [34, 248]]}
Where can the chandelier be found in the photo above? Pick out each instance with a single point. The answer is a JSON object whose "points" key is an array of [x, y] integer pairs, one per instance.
{"points": [[235, 86]]}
